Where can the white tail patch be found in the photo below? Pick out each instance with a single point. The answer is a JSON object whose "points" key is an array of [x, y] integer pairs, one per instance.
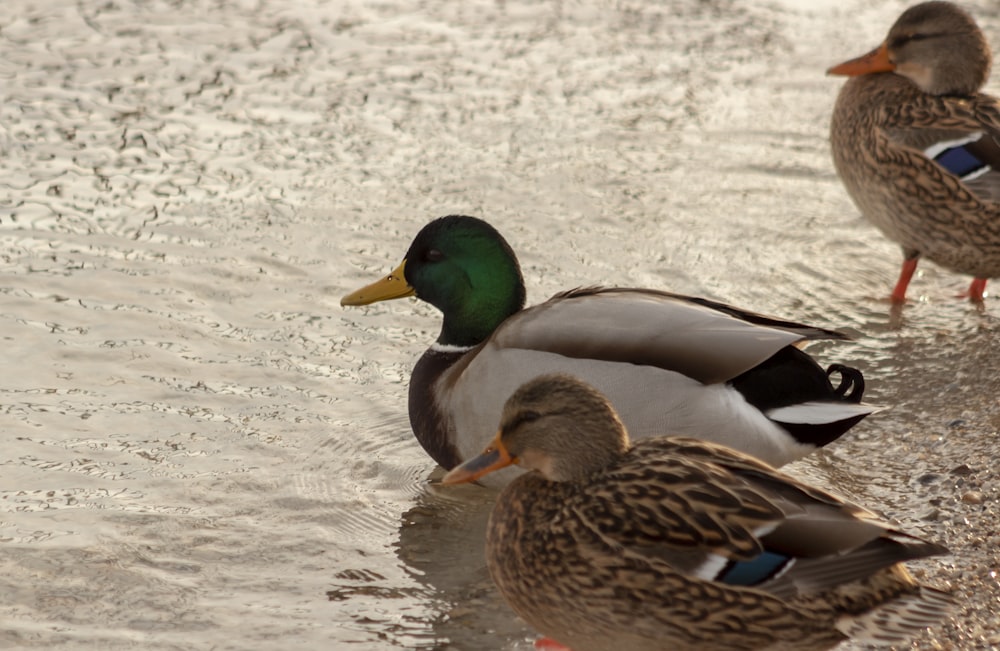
{"points": [[818, 413]]}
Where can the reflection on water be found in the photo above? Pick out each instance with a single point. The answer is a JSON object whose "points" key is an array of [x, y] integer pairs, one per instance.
{"points": [[202, 450], [441, 541]]}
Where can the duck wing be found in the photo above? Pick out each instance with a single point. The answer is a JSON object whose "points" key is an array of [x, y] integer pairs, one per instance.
{"points": [[704, 340], [959, 136], [665, 362], [718, 515]]}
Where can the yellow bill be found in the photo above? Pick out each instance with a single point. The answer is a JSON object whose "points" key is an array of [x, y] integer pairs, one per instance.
{"points": [[386, 289]]}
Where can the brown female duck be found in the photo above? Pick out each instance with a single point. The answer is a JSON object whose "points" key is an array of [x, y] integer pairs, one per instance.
{"points": [[915, 143], [680, 544]]}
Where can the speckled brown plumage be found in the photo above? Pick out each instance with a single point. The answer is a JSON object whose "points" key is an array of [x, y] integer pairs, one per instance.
{"points": [[934, 60], [607, 547]]}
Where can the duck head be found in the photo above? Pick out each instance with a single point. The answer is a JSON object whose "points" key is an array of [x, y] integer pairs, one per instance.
{"points": [[462, 266], [555, 425], [936, 45]]}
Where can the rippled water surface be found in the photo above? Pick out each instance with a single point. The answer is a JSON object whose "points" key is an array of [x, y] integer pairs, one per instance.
{"points": [[202, 450]]}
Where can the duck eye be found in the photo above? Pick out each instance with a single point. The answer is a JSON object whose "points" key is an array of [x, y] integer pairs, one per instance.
{"points": [[524, 418], [530, 416], [433, 255], [900, 41]]}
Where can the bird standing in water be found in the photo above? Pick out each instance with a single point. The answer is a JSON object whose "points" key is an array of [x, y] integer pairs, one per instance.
{"points": [[675, 543], [667, 362], [915, 143]]}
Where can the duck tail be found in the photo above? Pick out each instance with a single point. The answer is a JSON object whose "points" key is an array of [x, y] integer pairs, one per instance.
{"points": [[818, 422], [852, 382], [899, 620]]}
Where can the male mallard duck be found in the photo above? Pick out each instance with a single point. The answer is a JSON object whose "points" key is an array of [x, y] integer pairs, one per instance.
{"points": [[915, 143], [681, 544], [668, 362]]}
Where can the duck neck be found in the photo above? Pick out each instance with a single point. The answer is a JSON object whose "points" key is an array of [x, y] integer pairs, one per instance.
{"points": [[472, 321]]}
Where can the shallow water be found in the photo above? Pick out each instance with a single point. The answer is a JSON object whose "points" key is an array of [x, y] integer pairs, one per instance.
{"points": [[204, 451]]}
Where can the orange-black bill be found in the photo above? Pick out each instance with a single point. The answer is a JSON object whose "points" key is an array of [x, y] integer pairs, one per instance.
{"points": [[875, 61], [392, 286], [494, 457]]}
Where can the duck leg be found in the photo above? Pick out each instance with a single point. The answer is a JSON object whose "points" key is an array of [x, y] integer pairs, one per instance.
{"points": [[548, 644], [905, 274], [976, 290]]}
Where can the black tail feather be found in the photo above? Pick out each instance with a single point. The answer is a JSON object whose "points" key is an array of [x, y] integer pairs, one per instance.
{"points": [[852, 382]]}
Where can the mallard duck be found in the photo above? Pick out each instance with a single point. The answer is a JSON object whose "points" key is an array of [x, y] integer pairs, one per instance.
{"points": [[915, 143], [668, 362], [681, 544]]}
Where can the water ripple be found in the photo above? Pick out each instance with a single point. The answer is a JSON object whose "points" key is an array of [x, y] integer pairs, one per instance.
{"points": [[203, 450]]}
